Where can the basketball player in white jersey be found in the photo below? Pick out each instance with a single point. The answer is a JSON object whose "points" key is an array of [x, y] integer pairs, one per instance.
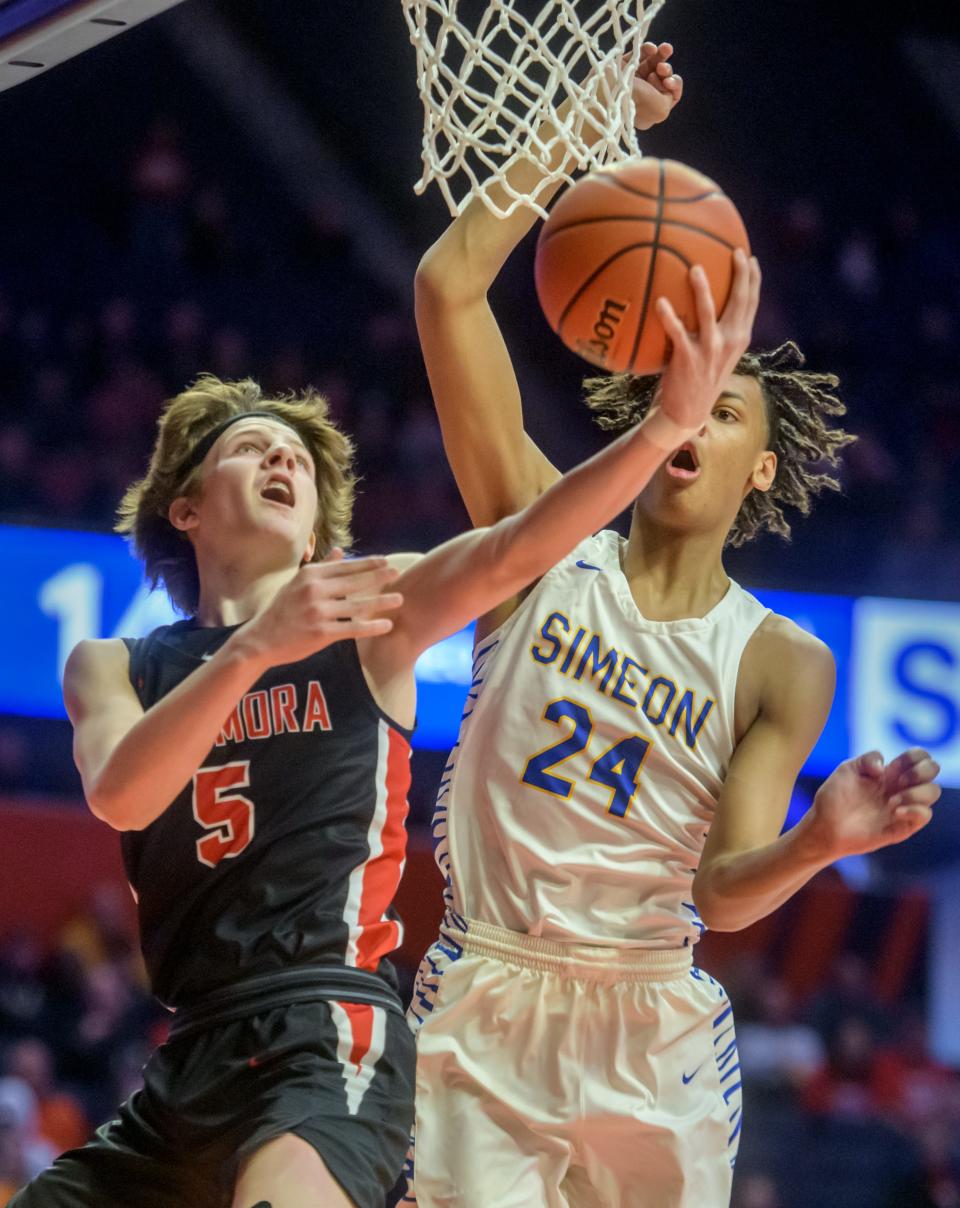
{"points": [[629, 746]]}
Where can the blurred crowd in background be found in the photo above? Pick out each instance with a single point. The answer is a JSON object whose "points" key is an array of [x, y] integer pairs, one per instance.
{"points": [[843, 1105], [167, 277], [76, 1025], [161, 272]]}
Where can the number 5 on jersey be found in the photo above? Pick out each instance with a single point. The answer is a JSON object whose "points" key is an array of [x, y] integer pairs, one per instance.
{"points": [[617, 768], [226, 814]]}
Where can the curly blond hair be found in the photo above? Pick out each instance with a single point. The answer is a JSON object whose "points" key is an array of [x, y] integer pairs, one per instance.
{"points": [[799, 407], [167, 553]]}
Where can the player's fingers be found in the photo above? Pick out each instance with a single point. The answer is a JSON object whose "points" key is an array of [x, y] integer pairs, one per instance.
{"points": [[912, 816], [648, 61], [676, 332], [911, 755], [365, 606], [902, 766], [921, 794], [364, 588], [344, 629], [703, 300], [351, 568], [660, 79], [737, 313], [746, 298], [648, 54], [902, 829], [652, 57], [340, 624], [674, 85], [359, 587], [756, 277], [906, 760], [345, 566], [870, 764], [918, 773]]}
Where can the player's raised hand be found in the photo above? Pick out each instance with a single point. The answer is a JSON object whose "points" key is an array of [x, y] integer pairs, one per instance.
{"points": [[656, 89], [701, 361], [326, 602], [655, 92], [866, 804]]}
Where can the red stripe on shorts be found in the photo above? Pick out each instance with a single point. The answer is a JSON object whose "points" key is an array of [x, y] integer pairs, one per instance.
{"points": [[360, 1015]]}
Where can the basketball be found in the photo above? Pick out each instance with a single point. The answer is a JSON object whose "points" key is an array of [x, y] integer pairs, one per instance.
{"points": [[619, 239]]}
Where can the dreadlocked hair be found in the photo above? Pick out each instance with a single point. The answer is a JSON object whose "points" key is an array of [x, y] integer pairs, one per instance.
{"points": [[799, 405]]}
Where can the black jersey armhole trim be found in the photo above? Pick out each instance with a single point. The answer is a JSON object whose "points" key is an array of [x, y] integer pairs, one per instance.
{"points": [[351, 656], [134, 647]]}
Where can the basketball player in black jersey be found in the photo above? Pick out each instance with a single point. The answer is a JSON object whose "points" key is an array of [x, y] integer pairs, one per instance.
{"points": [[255, 759]]}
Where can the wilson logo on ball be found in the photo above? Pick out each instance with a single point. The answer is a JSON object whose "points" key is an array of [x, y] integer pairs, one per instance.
{"points": [[604, 329]]}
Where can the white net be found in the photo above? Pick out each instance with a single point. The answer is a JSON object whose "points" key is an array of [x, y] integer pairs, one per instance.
{"points": [[492, 81]]}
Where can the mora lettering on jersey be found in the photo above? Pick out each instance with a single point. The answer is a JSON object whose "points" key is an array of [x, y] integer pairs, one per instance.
{"points": [[578, 653], [276, 710]]}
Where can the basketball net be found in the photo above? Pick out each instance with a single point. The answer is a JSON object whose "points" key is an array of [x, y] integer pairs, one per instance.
{"points": [[491, 91]]}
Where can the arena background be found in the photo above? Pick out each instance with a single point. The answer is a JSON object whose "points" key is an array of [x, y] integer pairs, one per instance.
{"points": [[228, 186]]}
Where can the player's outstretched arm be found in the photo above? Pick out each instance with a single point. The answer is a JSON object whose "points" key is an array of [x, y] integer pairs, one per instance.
{"points": [[132, 762], [748, 868], [470, 575], [497, 466]]}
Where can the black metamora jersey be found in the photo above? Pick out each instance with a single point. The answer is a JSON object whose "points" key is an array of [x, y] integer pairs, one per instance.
{"points": [[286, 847]]}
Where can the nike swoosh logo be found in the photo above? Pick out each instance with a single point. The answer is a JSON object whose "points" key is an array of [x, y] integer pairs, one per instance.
{"points": [[587, 566], [690, 1077]]}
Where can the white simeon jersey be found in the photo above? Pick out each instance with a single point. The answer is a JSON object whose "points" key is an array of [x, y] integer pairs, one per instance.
{"points": [[591, 755]]}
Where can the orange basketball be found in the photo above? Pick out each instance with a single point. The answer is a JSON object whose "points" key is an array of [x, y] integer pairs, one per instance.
{"points": [[620, 238]]}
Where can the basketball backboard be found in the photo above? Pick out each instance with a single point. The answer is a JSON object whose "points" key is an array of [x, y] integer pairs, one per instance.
{"points": [[36, 35]]}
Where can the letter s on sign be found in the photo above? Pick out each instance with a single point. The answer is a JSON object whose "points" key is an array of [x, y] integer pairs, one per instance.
{"points": [[909, 671]]}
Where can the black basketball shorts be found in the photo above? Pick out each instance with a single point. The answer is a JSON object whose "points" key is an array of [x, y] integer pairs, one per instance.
{"points": [[339, 1075]]}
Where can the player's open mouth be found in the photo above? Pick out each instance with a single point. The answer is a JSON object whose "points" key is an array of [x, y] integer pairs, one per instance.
{"points": [[684, 464], [278, 489]]}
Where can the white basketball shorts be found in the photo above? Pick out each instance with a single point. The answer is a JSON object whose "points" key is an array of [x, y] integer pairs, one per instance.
{"points": [[554, 1075]]}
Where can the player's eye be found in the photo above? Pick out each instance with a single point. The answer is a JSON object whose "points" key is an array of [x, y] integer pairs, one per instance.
{"points": [[725, 414], [301, 460]]}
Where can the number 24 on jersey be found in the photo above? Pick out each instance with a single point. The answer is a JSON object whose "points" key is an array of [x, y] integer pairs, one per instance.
{"points": [[617, 768]]}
